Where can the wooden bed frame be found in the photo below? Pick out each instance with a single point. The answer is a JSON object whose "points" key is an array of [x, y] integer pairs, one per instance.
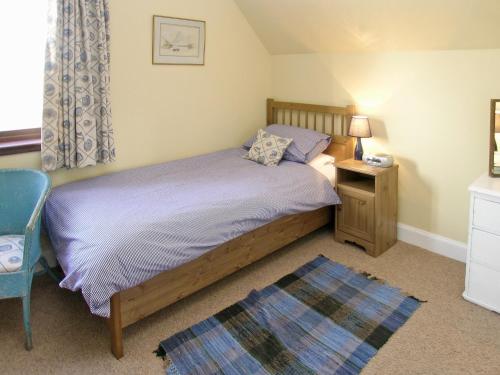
{"points": [[131, 305]]}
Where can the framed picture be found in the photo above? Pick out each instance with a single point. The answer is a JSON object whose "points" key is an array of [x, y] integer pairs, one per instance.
{"points": [[178, 41]]}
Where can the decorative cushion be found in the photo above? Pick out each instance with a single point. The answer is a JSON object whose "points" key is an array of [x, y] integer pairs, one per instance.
{"points": [[268, 149], [11, 252], [306, 145]]}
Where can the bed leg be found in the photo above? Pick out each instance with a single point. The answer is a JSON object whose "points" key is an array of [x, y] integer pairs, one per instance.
{"points": [[115, 327]]}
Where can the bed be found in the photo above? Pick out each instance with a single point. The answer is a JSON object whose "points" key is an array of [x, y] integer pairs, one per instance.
{"points": [[136, 241]]}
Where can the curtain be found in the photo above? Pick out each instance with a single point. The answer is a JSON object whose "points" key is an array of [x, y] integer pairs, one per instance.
{"points": [[76, 126]]}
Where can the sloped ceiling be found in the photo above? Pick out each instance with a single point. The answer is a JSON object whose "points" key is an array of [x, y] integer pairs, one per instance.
{"points": [[306, 26]]}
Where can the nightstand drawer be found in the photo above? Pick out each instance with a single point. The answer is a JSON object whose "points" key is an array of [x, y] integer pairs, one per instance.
{"points": [[485, 249], [356, 214], [484, 286], [487, 215]]}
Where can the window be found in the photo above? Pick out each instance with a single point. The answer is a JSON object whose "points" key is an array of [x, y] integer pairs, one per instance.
{"points": [[23, 26]]}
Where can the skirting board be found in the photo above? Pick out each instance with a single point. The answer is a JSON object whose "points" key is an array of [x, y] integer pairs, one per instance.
{"points": [[433, 242]]}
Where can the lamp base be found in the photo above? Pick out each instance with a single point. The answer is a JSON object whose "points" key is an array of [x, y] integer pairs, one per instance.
{"points": [[358, 152]]}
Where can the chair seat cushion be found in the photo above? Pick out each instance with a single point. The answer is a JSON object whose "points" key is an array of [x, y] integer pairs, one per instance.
{"points": [[11, 252]]}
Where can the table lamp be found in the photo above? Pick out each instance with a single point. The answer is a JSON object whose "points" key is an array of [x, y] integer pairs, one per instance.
{"points": [[360, 128]]}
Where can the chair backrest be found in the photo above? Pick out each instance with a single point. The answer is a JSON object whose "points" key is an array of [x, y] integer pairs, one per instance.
{"points": [[20, 191]]}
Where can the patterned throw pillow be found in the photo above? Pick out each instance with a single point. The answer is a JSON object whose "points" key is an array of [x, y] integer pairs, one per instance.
{"points": [[268, 149]]}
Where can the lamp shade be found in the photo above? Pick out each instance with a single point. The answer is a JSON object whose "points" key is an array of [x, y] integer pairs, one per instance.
{"points": [[360, 127]]}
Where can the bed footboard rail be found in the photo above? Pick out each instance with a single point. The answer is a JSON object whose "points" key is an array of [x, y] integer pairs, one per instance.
{"points": [[134, 304]]}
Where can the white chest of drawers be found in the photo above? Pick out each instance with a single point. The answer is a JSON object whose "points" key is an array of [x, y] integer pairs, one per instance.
{"points": [[482, 281]]}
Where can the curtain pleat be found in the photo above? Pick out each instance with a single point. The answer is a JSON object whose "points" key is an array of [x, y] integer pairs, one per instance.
{"points": [[77, 127]]}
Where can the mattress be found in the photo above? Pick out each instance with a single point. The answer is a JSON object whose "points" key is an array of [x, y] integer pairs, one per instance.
{"points": [[114, 232]]}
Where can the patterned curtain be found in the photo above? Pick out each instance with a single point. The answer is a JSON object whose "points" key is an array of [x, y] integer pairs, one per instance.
{"points": [[76, 127]]}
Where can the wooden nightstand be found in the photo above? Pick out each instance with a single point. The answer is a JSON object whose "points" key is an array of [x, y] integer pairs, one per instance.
{"points": [[368, 214]]}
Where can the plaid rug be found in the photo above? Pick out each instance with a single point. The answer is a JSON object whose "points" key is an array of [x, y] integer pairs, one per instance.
{"points": [[322, 319]]}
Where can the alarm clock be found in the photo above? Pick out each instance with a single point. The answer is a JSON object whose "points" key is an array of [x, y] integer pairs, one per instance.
{"points": [[378, 160]]}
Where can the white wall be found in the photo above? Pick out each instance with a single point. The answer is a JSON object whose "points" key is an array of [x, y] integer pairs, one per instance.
{"points": [[429, 109], [164, 112]]}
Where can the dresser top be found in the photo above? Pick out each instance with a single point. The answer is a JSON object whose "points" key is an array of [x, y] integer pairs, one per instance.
{"points": [[486, 185]]}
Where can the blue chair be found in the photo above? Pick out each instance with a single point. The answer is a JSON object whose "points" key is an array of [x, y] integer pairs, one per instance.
{"points": [[22, 195]]}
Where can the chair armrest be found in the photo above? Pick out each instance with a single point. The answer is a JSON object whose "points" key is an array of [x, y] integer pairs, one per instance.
{"points": [[38, 209], [28, 232]]}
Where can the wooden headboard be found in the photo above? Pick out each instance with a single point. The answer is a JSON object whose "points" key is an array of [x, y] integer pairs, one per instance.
{"points": [[326, 119]]}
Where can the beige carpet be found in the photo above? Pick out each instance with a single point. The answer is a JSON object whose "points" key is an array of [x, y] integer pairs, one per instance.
{"points": [[447, 335]]}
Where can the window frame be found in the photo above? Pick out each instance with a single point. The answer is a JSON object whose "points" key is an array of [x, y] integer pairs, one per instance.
{"points": [[20, 141]]}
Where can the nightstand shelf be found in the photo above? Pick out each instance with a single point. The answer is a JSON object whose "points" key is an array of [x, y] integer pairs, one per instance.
{"points": [[368, 214], [367, 186]]}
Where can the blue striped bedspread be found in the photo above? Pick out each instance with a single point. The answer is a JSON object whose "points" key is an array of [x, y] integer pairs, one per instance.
{"points": [[114, 232]]}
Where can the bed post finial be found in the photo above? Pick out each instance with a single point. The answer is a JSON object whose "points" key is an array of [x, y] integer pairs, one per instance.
{"points": [[270, 111]]}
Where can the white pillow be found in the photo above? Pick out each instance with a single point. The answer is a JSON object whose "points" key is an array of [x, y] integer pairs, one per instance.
{"points": [[324, 164]]}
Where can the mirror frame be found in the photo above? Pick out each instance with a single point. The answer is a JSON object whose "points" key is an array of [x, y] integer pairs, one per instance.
{"points": [[493, 105]]}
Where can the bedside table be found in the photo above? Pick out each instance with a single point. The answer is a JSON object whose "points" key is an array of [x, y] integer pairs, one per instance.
{"points": [[368, 214]]}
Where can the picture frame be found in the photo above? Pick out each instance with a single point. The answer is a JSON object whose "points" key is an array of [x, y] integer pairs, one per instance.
{"points": [[178, 41]]}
